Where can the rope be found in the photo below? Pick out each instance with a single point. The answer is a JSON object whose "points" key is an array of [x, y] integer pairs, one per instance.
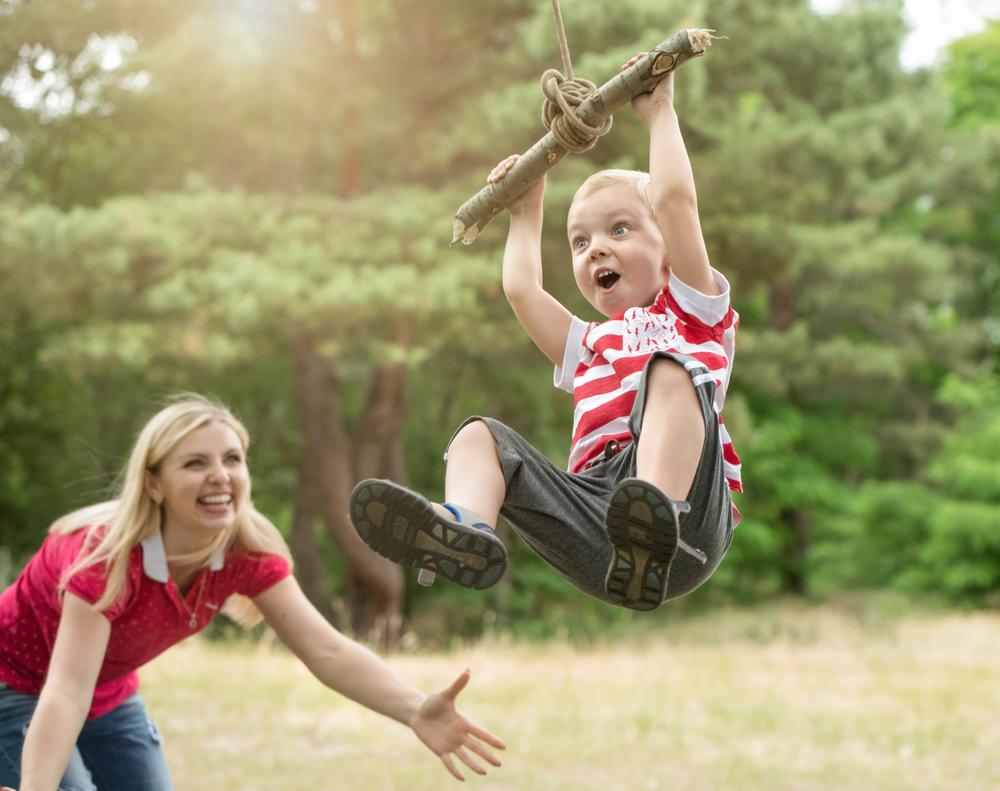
{"points": [[563, 94], [563, 45], [562, 97]]}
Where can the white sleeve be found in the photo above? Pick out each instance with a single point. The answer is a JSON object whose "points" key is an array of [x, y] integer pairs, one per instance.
{"points": [[572, 354], [709, 309]]}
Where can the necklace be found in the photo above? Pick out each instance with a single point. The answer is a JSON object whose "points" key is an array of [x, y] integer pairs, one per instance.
{"points": [[193, 613]]}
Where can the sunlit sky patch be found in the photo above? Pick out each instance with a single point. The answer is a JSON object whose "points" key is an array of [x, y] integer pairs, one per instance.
{"points": [[933, 23]]}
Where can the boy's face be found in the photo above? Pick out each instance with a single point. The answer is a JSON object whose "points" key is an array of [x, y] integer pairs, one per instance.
{"points": [[618, 254]]}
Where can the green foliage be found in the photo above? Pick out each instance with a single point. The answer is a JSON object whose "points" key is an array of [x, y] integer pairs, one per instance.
{"points": [[33, 450], [253, 174], [966, 206], [938, 536], [972, 73], [963, 548]]}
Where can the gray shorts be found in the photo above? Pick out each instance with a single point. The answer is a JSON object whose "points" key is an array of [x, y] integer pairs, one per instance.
{"points": [[561, 515]]}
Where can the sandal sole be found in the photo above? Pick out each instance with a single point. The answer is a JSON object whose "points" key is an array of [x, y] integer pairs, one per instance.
{"points": [[402, 526], [644, 531]]}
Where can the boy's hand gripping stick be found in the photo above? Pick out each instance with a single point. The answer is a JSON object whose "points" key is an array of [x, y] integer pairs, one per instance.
{"points": [[592, 115]]}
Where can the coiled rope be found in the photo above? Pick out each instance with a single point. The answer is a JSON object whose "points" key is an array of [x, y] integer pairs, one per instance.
{"points": [[564, 93]]}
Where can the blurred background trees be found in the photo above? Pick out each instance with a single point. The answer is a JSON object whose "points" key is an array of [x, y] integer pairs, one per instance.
{"points": [[253, 199]]}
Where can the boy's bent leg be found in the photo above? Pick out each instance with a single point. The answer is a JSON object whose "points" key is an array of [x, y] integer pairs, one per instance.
{"points": [[560, 515], [681, 498], [644, 529], [473, 477], [673, 430], [407, 528]]}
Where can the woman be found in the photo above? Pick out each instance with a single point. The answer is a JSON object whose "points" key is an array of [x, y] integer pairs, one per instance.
{"points": [[116, 584]]}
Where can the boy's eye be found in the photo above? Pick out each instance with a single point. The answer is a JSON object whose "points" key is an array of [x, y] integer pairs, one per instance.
{"points": [[619, 230], [579, 244]]}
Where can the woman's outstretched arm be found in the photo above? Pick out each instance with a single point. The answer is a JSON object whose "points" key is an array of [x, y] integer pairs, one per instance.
{"points": [[359, 674]]}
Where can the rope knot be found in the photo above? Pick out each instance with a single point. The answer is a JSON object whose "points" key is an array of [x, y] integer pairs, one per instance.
{"points": [[562, 97]]}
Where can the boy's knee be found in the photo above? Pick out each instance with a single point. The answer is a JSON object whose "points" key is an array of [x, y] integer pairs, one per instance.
{"points": [[473, 434], [666, 376]]}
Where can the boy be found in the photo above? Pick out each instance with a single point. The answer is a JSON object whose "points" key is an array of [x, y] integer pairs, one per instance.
{"points": [[644, 513]]}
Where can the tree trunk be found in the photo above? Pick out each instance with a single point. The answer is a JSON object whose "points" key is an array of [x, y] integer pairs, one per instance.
{"points": [[794, 578], [349, 174], [376, 585], [311, 389], [326, 474], [783, 308]]}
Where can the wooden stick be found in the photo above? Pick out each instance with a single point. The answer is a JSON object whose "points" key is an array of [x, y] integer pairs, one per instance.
{"points": [[641, 77]]}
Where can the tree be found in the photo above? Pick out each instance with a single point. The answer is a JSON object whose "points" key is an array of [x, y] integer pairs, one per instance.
{"points": [[286, 139], [255, 200]]}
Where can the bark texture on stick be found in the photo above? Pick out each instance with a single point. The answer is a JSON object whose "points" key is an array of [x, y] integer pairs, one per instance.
{"points": [[637, 79]]}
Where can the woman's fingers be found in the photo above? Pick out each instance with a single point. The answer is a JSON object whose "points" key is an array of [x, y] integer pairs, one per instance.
{"points": [[469, 761], [456, 686], [481, 751], [486, 736], [449, 764]]}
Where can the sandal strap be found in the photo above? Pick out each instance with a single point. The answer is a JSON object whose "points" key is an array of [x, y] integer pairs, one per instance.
{"points": [[684, 507], [466, 517], [694, 552]]}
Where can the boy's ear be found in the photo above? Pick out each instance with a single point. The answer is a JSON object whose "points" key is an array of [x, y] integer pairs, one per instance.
{"points": [[152, 487]]}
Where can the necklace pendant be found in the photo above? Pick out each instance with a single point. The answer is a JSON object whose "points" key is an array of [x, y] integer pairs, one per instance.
{"points": [[193, 623]]}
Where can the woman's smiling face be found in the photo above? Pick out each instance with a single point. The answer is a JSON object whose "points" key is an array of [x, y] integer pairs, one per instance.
{"points": [[203, 482]]}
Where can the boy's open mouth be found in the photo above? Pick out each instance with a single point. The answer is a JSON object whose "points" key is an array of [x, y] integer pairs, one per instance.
{"points": [[605, 278]]}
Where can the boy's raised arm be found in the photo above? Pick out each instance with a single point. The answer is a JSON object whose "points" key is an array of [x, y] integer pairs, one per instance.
{"points": [[675, 201], [543, 317]]}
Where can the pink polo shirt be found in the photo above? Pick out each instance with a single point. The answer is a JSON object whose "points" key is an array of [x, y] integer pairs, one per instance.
{"points": [[147, 618]]}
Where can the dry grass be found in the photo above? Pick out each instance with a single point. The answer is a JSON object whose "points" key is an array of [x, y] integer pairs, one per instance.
{"points": [[780, 698]]}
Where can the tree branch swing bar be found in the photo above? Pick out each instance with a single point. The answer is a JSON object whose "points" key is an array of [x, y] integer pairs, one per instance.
{"points": [[576, 114]]}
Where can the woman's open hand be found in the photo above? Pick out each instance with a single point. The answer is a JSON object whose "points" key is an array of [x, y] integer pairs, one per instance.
{"points": [[450, 735]]}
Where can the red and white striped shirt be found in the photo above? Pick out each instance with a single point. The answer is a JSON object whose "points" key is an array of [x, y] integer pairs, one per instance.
{"points": [[603, 363]]}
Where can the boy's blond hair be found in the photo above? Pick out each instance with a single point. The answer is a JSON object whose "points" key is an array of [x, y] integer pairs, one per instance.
{"points": [[608, 178]]}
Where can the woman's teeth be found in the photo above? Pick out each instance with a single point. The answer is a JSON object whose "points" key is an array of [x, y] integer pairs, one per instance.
{"points": [[216, 499]]}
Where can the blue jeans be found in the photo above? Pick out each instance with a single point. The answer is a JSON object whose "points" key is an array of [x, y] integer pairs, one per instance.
{"points": [[119, 751]]}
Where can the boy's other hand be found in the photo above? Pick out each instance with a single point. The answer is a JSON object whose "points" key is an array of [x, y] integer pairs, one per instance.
{"points": [[530, 199], [661, 96]]}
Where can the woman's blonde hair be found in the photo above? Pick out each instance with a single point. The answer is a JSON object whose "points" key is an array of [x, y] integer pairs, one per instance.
{"points": [[612, 176], [133, 516]]}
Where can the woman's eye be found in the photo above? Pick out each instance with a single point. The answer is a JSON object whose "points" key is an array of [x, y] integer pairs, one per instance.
{"points": [[234, 458], [193, 463]]}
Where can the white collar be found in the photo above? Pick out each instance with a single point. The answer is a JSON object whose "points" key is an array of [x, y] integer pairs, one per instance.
{"points": [[154, 558]]}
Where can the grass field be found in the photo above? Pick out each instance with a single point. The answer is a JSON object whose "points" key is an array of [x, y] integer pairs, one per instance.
{"points": [[787, 697]]}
